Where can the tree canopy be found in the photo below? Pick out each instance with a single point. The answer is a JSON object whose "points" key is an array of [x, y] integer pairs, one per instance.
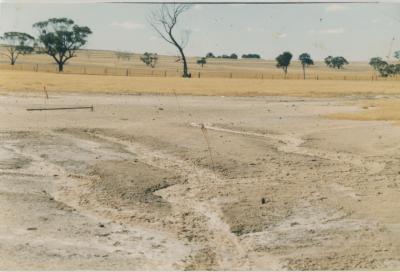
{"points": [[150, 59], [17, 43], [283, 61], [383, 67], [202, 61], [60, 38], [305, 60], [336, 62], [251, 56], [210, 55]]}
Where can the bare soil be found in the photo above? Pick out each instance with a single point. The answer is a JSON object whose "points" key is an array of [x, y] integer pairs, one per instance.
{"points": [[193, 182]]}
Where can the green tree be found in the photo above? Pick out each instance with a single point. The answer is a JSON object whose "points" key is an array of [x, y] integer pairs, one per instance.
{"points": [[336, 62], [210, 55], [17, 43], [377, 62], [150, 59], [202, 61], [283, 61], [384, 68], [306, 61], [251, 56], [60, 38], [328, 61], [233, 56]]}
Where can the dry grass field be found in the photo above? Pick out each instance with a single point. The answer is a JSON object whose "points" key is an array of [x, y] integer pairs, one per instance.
{"points": [[35, 81], [107, 63]]}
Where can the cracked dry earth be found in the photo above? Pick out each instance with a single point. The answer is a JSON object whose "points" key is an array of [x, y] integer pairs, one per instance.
{"points": [[268, 183]]}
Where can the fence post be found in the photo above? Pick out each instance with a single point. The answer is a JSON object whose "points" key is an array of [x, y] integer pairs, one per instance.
{"points": [[199, 74], [231, 75], [165, 73], [127, 71]]}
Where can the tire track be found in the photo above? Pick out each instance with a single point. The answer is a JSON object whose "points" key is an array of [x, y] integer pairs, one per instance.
{"points": [[291, 144]]}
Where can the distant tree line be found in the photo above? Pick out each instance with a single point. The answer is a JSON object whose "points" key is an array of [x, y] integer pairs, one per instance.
{"points": [[251, 56], [210, 55]]}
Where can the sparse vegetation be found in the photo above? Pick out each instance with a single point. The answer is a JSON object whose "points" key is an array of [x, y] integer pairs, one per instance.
{"points": [[251, 56], [150, 59], [383, 67], [60, 38], [202, 61], [305, 60], [231, 56], [210, 55], [335, 62], [164, 21], [123, 55], [17, 43], [283, 61]]}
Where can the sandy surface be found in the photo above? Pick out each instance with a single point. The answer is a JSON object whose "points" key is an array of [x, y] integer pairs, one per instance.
{"points": [[140, 183]]}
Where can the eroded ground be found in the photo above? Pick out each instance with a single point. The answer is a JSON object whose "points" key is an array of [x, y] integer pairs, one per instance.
{"points": [[183, 182]]}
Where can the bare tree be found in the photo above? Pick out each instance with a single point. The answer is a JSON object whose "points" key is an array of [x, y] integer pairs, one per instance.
{"points": [[164, 20]]}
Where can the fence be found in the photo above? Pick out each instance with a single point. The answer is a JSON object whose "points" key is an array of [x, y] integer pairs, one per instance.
{"points": [[196, 73]]}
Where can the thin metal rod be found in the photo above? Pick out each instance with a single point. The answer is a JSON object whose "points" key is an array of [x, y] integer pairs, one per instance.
{"points": [[63, 108]]}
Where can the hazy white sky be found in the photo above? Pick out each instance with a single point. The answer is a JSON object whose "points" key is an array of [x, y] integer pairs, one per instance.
{"points": [[356, 31]]}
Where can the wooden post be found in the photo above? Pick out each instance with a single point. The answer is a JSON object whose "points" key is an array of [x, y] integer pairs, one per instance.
{"points": [[165, 73], [231, 75], [199, 74], [127, 71]]}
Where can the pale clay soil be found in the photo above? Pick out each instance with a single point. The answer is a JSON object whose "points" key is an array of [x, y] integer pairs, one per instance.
{"points": [[138, 184]]}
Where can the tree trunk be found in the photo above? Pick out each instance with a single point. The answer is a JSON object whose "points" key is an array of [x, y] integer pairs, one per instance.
{"points": [[285, 69], [185, 67], [60, 66], [304, 72]]}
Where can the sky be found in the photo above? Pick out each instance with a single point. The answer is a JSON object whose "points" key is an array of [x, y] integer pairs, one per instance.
{"points": [[356, 31]]}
